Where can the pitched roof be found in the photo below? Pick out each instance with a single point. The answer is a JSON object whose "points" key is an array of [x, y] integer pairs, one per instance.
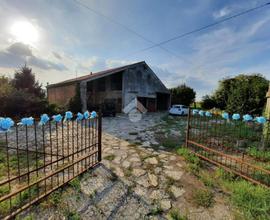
{"points": [[96, 75]]}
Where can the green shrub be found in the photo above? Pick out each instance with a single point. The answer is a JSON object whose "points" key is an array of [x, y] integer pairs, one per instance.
{"points": [[203, 197]]}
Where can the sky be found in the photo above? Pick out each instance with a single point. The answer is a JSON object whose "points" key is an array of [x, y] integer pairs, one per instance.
{"points": [[61, 39]]}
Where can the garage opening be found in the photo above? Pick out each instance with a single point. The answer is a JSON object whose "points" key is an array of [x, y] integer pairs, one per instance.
{"points": [[148, 103], [163, 101]]}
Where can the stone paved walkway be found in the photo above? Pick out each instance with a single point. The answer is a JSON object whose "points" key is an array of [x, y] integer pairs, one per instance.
{"points": [[138, 177]]}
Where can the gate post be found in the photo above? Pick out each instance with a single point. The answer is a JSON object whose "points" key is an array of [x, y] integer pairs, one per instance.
{"points": [[188, 127], [99, 136], [266, 126]]}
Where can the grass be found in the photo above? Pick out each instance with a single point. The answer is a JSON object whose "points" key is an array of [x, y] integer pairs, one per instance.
{"points": [[15, 160], [261, 155], [4, 190], [109, 157], [75, 183], [17, 200], [72, 215], [175, 214], [208, 180], [194, 162], [54, 199], [252, 200], [203, 197]]}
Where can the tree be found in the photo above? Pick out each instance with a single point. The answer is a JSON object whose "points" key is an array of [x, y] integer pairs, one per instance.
{"points": [[23, 95], [5, 86], [242, 94], [208, 102], [25, 80], [182, 95]]}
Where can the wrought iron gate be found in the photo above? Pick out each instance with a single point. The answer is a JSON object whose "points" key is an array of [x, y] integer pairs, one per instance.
{"points": [[36, 160], [229, 144]]}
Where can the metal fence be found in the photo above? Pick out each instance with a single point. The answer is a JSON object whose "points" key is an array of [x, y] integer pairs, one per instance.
{"points": [[36, 160], [237, 146]]}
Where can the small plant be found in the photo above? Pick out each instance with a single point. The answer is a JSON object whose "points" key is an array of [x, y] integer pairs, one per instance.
{"points": [[174, 214], [93, 194], [75, 183], [55, 198], [72, 215], [203, 197], [4, 190], [109, 157], [208, 180], [157, 210], [128, 171]]}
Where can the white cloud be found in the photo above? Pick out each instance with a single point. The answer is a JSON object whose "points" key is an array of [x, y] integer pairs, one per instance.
{"points": [[222, 12]]}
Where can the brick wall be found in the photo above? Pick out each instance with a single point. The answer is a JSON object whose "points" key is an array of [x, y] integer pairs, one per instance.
{"points": [[62, 94]]}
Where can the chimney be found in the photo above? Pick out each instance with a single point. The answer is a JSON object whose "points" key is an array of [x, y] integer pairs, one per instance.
{"points": [[91, 73]]}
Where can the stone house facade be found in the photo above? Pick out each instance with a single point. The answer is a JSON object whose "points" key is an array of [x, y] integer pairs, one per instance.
{"points": [[118, 86]]}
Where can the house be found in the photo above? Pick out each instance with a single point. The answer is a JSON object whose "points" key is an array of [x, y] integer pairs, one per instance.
{"points": [[118, 86]]}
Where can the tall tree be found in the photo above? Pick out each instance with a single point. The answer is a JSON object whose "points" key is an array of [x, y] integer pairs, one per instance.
{"points": [[242, 94], [182, 95], [208, 102], [25, 80]]}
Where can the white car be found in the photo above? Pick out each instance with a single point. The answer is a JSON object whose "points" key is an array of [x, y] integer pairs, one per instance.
{"points": [[178, 110]]}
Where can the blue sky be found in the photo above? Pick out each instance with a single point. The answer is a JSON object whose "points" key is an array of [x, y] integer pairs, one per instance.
{"points": [[73, 39]]}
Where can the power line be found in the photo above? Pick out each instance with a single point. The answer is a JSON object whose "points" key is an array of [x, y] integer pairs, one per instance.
{"points": [[204, 27], [125, 27]]}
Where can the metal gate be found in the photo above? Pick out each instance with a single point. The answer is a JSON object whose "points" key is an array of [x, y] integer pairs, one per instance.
{"points": [[36, 160], [236, 146]]}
